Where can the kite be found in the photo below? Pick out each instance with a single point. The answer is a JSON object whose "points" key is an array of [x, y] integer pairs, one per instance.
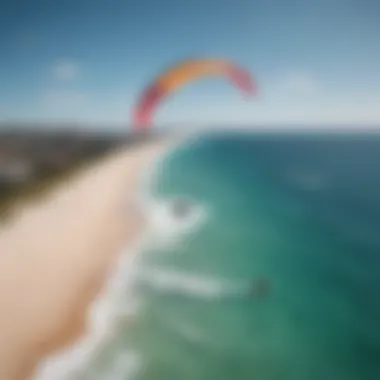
{"points": [[179, 75]]}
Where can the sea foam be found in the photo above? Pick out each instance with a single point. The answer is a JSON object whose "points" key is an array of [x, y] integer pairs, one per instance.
{"points": [[187, 284]]}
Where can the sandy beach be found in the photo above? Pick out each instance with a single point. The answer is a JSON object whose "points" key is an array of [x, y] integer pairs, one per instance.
{"points": [[56, 254]]}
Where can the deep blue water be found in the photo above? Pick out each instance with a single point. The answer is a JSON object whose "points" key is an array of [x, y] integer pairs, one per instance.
{"points": [[300, 211]]}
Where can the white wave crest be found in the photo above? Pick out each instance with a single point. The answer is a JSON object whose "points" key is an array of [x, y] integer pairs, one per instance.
{"points": [[184, 283], [166, 230]]}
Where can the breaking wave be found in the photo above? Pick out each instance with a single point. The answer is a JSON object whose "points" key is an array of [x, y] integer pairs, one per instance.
{"points": [[181, 283]]}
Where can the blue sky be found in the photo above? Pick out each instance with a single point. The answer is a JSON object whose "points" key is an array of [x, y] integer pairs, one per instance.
{"points": [[86, 61]]}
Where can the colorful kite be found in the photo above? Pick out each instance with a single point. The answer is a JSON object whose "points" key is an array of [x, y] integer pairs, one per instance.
{"points": [[179, 75]]}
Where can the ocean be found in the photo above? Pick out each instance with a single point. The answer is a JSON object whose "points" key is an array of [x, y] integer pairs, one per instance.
{"points": [[297, 212]]}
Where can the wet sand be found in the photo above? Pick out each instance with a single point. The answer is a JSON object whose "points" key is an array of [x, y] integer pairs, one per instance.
{"points": [[55, 256]]}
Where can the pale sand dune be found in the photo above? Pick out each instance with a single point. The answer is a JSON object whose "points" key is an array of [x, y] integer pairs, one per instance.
{"points": [[55, 256]]}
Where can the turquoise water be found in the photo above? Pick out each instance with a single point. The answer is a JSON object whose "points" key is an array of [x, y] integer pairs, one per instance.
{"points": [[301, 211]]}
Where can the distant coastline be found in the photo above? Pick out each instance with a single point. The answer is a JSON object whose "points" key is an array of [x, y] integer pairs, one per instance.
{"points": [[33, 159]]}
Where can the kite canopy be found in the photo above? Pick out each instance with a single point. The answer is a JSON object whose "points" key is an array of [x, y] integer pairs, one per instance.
{"points": [[179, 75]]}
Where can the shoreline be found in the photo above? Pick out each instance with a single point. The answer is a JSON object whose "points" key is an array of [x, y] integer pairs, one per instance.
{"points": [[70, 243], [103, 314]]}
